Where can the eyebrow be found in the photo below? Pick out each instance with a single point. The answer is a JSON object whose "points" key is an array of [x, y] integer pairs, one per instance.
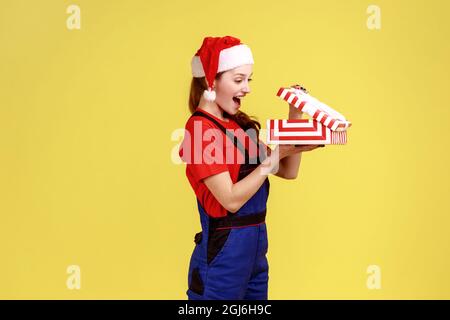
{"points": [[242, 74]]}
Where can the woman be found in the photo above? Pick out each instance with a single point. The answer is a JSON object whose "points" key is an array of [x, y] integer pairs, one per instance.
{"points": [[229, 260]]}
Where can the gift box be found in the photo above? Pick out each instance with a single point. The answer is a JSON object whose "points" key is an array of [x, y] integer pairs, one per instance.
{"points": [[317, 110], [326, 126], [302, 131]]}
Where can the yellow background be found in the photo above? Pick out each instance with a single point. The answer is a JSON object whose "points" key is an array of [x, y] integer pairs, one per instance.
{"points": [[86, 118]]}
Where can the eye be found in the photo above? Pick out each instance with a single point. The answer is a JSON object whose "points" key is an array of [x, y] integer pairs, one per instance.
{"points": [[239, 81]]}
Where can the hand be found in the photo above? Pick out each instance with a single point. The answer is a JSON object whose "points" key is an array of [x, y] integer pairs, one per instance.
{"points": [[285, 150], [282, 151], [294, 112], [299, 87]]}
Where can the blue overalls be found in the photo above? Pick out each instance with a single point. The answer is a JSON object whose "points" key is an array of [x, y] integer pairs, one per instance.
{"points": [[229, 259]]}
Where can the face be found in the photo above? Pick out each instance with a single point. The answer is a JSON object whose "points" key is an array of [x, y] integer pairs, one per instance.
{"points": [[232, 87]]}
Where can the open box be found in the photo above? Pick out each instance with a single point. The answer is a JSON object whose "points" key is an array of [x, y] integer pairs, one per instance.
{"points": [[326, 126]]}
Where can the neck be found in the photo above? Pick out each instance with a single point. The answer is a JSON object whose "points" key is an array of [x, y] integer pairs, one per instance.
{"points": [[212, 108]]}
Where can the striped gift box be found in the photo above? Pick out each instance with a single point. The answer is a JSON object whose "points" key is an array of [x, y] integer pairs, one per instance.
{"points": [[302, 131], [317, 110]]}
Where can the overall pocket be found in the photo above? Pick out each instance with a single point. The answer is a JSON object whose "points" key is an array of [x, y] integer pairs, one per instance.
{"points": [[196, 283], [198, 237], [217, 242]]}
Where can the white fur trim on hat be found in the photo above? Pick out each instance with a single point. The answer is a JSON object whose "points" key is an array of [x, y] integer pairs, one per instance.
{"points": [[229, 58], [209, 95]]}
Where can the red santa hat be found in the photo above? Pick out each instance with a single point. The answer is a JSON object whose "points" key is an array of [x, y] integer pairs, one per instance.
{"points": [[219, 54]]}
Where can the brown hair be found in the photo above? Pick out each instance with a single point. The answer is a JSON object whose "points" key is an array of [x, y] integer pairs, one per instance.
{"points": [[198, 85]]}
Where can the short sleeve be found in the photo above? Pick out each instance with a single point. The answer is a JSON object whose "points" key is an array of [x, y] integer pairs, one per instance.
{"points": [[206, 154]]}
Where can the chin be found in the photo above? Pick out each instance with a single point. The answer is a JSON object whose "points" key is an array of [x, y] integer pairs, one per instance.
{"points": [[235, 109]]}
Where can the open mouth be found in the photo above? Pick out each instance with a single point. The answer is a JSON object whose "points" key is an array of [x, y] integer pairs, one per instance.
{"points": [[237, 100]]}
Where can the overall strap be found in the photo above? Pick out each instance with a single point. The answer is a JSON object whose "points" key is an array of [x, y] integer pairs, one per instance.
{"points": [[228, 133]]}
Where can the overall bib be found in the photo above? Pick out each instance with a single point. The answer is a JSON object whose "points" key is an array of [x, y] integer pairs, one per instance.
{"points": [[229, 259]]}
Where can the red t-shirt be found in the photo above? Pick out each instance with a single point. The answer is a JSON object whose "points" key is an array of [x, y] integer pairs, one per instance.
{"points": [[211, 153]]}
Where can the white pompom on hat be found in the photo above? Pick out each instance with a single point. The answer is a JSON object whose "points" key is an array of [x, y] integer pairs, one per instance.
{"points": [[219, 54]]}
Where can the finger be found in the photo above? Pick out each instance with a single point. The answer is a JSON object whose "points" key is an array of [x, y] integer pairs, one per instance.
{"points": [[304, 148], [309, 145], [309, 148]]}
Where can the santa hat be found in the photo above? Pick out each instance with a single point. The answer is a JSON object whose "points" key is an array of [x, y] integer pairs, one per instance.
{"points": [[219, 54]]}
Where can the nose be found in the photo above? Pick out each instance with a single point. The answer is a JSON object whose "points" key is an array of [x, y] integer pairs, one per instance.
{"points": [[246, 88]]}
